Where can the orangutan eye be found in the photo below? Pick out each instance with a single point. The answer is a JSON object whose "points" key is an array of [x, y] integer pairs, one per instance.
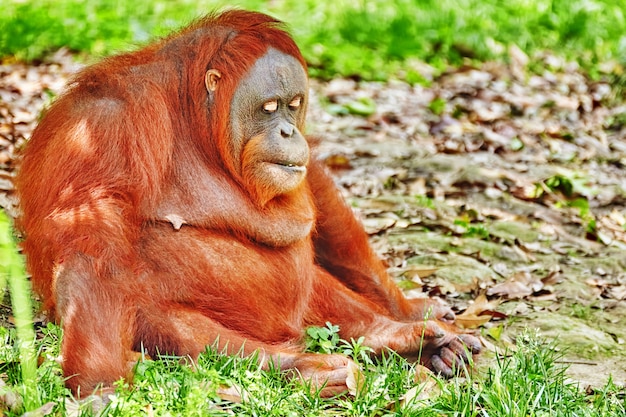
{"points": [[295, 103], [270, 106]]}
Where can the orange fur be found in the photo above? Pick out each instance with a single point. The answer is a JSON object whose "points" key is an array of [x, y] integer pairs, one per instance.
{"points": [[140, 231]]}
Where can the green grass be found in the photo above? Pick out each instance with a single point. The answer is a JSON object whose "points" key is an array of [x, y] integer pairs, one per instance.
{"points": [[370, 39], [528, 382]]}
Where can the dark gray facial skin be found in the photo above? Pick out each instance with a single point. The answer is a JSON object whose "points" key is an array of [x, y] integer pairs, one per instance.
{"points": [[267, 110]]}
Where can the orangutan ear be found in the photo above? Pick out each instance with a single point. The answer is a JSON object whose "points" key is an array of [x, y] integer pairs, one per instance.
{"points": [[211, 78]]}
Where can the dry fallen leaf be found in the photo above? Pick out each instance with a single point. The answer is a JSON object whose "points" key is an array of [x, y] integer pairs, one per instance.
{"points": [[9, 398], [422, 374], [618, 293], [471, 321], [416, 272], [230, 393], [478, 313], [374, 225], [44, 410], [355, 379], [337, 161], [427, 387], [520, 285], [92, 403]]}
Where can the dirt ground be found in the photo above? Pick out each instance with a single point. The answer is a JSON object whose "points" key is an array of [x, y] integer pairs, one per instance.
{"points": [[499, 189]]}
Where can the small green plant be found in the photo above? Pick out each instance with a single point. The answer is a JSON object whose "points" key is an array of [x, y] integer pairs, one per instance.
{"points": [[560, 183], [357, 350], [363, 106], [437, 106], [327, 340], [424, 201], [584, 312], [571, 192], [516, 144], [586, 216], [473, 230], [567, 186], [322, 339]]}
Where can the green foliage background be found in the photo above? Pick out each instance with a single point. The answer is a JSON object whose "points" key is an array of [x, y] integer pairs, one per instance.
{"points": [[368, 39]]}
